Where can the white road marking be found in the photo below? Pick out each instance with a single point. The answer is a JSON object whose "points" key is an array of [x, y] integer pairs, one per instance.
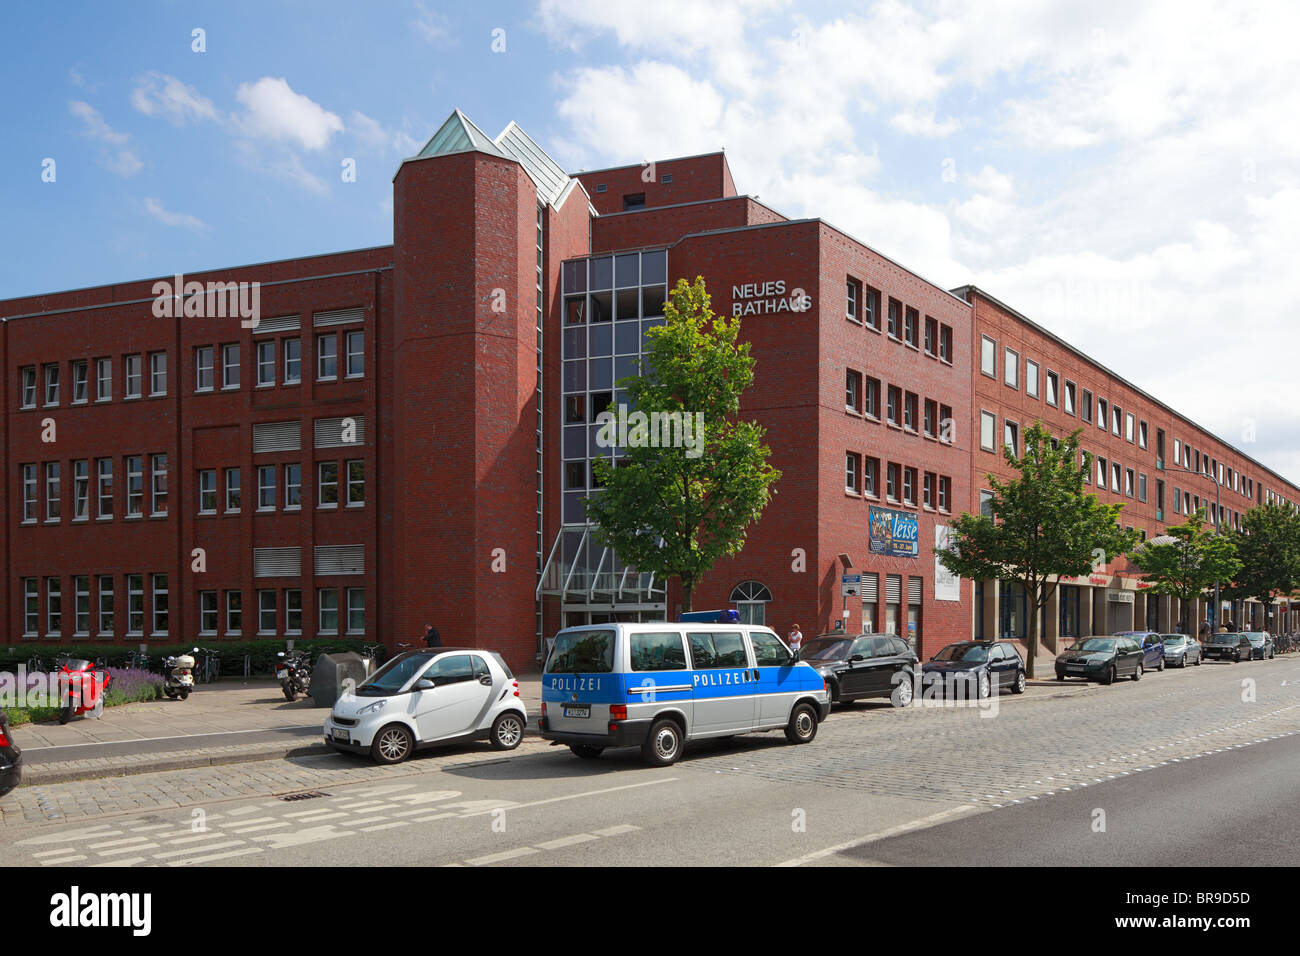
{"points": [[357, 823], [151, 826], [216, 856], [122, 842], [921, 824], [567, 841], [386, 826], [244, 823], [615, 831], [129, 849], [502, 856], [317, 815], [260, 827], [130, 862], [278, 841], [241, 811], [67, 836], [172, 854], [194, 839]]}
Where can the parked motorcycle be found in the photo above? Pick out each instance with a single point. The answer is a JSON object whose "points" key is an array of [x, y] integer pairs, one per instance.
{"points": [[81, 689], [293, 673], [178, 678]]}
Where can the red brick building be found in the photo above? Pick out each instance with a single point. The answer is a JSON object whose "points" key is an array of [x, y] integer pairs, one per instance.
{"points": [[403, 435]]}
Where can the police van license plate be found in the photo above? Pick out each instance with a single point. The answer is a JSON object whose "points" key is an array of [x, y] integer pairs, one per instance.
{"points": [[340, 735], [581, 710]]}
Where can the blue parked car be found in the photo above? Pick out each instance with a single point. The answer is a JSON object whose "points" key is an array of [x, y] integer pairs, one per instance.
{"points": [[1153, 648]]}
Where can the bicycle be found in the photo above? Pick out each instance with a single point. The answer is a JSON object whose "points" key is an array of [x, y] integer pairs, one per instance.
{"points": [[210, 669], [137, 660], [370, 655]]}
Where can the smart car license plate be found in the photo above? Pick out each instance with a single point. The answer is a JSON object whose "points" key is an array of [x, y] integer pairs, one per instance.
{"points": [[340, 735], [583, 710]]}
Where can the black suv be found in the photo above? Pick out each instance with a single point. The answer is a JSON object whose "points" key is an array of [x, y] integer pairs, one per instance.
{"points": [[857, 666]]}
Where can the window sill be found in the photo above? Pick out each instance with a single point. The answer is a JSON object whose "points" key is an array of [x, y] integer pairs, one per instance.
{"points": [[132, 398], [356, 505], [52, 521], [850, 493], [132, 517], [157, 515], [54, 636], [852, 411], [30, 636], [328, 507], [203, 391], [286, 508], [80, 401], [207, 514], [27, 521], [82, 520], [157, 394]]}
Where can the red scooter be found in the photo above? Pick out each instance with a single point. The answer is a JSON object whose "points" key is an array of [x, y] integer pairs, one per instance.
{"points": [[81, 689]]}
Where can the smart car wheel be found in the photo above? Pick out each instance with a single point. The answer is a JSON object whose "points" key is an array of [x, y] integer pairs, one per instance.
{"points": [[663, 745], [1019, 686], [393, 744], [507, 731], [803, 725], [586, 752], [1137, 673]]}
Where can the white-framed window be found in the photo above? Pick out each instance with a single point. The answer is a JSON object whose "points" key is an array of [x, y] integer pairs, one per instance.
{"points": [[135, 604], [29, 493], [208, 612], [105, 605], [909, 486], [327, 358], [851, 295], [103, 379], [160, 619], [267, 612], [53, 607], [104, 487], [133, 373], [158, 476], [1128, 482], [230, 365], [988, 428], [327, 484], [356, 610], [356, 346], [328, 604], [1052, 381], [1031, 378], [204, 368], [134, 485], [80, 382], [751, 599], [945, 492], [1101, 473], [53, 491], [1011, 368], [1103, 414], [157, 373], [852, 466], [1129, 422], [81, 490], [266, 488], [27, 388], [292, 611], [31, 607], [1116, 417], [1115, 471], [51, 385], [208, 491], [234, 612], [233, 496], [265, 364], [292, 361], [871, 477], [988, 356], [852, 390], [1142, 434], [356, 483], [1011, 436], [292, 487], [1068, 397]]}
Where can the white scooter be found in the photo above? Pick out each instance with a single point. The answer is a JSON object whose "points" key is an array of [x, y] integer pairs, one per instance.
{"points": [[178, 680]]}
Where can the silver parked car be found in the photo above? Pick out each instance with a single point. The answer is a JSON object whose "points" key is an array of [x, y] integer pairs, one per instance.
{"points": [[1181, 650]]}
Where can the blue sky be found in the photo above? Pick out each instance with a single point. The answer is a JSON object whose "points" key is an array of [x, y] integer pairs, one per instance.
{"points": [[1125, 173]]}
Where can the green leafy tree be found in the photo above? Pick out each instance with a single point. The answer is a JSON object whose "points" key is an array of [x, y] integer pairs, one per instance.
{"points": [[1043, 526], [675, 507], [1268, 545], [1196, 559]]}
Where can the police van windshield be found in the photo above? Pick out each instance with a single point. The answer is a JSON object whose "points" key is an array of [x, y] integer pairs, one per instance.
{"points": [[582, 652]]}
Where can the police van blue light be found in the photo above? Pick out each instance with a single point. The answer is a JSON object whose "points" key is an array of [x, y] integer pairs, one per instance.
{"points": [[660, 685]]}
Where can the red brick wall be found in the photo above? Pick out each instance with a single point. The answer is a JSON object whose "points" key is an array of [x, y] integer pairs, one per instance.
{"points": [[657, 227], [694, 178]]}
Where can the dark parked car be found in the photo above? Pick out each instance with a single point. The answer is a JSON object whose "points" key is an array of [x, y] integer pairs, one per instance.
{"points": [[1101, 659], [1227, 646], [855, 666], [1181, 650], [11, 758], [1153, 647], [1261, 645], [980, 667]]}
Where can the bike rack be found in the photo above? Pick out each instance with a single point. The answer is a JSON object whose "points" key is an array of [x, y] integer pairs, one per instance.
{"points": [[248, 666]]}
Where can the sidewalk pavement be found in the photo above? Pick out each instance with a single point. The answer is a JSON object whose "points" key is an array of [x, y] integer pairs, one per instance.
{"points": [[222, 708]]}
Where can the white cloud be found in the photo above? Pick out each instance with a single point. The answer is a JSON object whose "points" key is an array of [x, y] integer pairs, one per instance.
{"points": [[373, 134], [124, 163], [157, 94], [918, 123], [93, 124], [182, 220], [274, 111], [434, 26]]}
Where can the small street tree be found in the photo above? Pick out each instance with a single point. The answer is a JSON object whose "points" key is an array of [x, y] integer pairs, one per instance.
{"points": [[1043, 526], [1268, 545], [1193, 561], [691, 478]]}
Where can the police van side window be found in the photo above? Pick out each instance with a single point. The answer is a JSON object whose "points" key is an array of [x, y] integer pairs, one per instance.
{"points": [[713, 651], [658, 651], [768, 651]]}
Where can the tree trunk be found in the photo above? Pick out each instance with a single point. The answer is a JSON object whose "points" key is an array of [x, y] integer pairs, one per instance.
{"points": [[1031, 632], [688, 589]]}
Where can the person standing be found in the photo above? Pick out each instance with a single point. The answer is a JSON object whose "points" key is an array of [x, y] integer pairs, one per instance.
{"points": [[431, 636], [794, 638]]}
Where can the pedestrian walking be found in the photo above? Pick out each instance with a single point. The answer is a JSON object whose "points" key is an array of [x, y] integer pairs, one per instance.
{"points": [[794, 638], [431, 637]]}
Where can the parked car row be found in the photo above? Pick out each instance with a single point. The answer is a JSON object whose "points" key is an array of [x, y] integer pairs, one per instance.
{"points": [[1129, 653]]}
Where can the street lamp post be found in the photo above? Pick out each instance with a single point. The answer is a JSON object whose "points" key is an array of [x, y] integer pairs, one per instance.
{"points": [[1218, 509]]}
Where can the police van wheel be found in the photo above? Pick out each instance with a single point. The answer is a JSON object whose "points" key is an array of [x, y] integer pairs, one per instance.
{"points": [[803, 725], [663, 745], [586, 752]]}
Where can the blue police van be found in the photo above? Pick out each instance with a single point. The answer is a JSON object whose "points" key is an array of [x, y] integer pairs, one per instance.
{"points": [[658, 685]]}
